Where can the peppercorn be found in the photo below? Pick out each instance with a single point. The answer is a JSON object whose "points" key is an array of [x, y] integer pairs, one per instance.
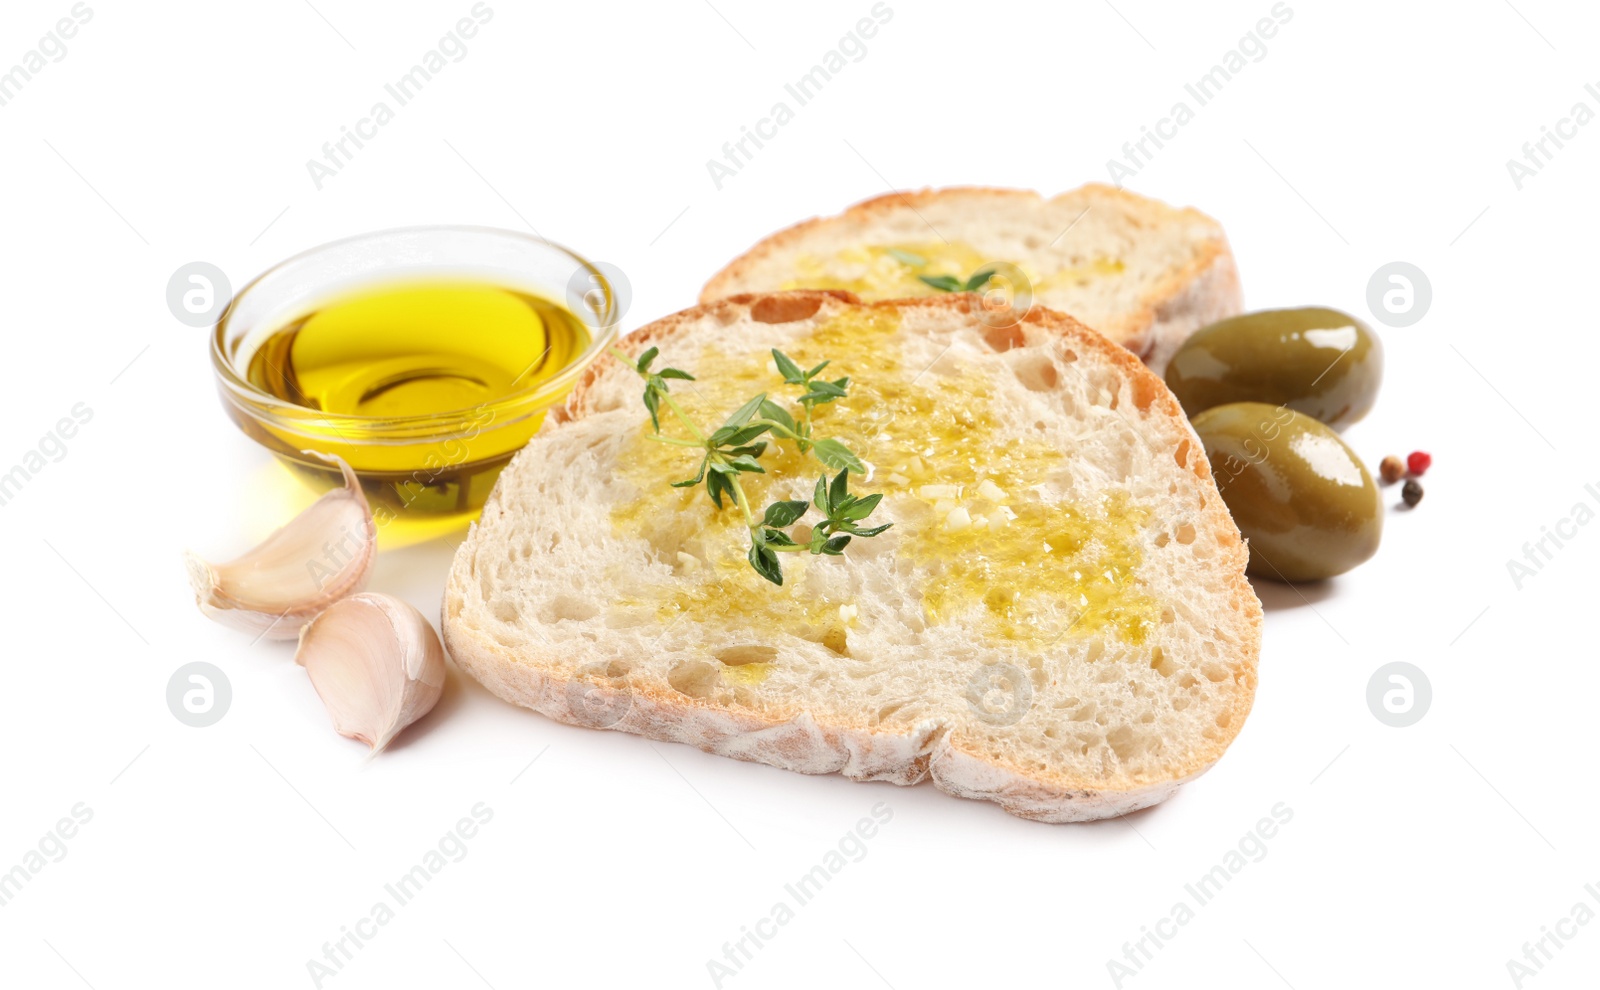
{"points": [[1411, 493], [1391, 469], [1419, 462]]}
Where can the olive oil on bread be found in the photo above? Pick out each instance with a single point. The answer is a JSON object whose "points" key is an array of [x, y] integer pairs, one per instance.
{"points": [[969, 504]]}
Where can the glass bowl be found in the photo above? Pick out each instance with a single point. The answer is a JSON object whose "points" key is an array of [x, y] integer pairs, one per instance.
{"points": [[440, 464]]}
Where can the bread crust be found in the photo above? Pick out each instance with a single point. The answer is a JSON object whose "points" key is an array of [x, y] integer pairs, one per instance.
{"points": [[858, 751], [1203, 291]]}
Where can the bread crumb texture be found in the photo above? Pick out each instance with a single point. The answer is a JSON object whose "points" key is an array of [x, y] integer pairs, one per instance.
{"points": [[1057, 621]]}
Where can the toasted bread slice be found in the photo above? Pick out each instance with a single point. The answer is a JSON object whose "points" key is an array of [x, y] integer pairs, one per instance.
{"points": [[1142, 273], [1058, 620]]}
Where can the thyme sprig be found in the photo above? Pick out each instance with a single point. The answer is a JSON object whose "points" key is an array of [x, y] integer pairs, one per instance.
{"points": [[735, 448]]}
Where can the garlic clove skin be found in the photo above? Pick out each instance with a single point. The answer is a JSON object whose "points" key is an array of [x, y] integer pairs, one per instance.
{"points": [[376, 663], [312, 561]]}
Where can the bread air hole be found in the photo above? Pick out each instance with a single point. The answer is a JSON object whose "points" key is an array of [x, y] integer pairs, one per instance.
{"points": [[785, 309], [567, 607], [738, 656], [1145, 390], [1161, 663], [694, 678], [1003, 339], [1036, 372], [837, 639], [1124, 742]]}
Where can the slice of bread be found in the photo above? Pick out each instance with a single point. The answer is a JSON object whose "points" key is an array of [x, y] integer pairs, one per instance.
{"points": [[1058, 620], [1142, 273]]}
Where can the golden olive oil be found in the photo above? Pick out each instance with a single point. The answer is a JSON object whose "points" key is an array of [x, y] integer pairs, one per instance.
{"points": [[892, 271], [1055, 567], [441, 353]]}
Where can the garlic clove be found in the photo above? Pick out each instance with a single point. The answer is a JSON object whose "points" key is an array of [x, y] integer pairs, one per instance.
{"points": [[313, 560], [376, 663]]}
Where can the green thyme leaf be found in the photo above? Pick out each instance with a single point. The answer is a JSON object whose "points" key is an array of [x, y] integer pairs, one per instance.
{"points": [[814, 371], [944, 283], [652, 402], [766, 563], [838, 491], [906, 257], [691, 482], [644, 360], [778, 538], [874, 531], [744, 462], [718, 484], [978, 280], [746, 412], [859, 509], [835, 545], [771, 410], [834, 454], [784, 514], [822, 392], [675, 373], [738, 435], [790, 371]]}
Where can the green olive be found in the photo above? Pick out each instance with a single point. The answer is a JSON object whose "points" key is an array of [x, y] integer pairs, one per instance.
{"points": [[1297, 493], [1321, 362]]}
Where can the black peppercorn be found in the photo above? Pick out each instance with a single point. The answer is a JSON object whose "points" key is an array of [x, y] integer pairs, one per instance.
{"points": [[1411, 493]]}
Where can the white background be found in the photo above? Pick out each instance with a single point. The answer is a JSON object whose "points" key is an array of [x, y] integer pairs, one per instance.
{"points": [[227, 856]]}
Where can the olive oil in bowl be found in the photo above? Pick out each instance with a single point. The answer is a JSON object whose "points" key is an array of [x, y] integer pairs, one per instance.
{"points": [[424, 357], [417, 382], [417, 350]]}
